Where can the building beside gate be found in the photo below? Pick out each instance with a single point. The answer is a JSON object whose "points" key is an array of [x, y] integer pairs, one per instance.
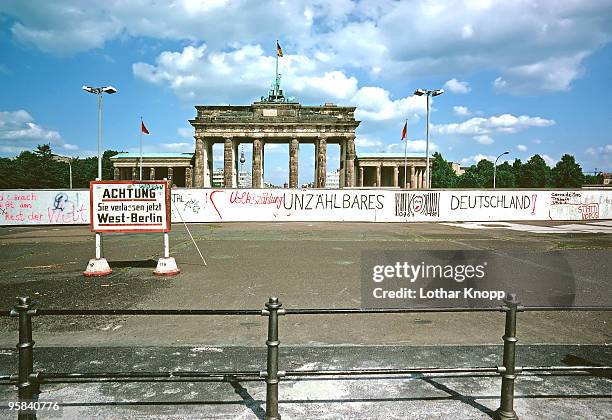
{"points": [[393, 170], [176, 167]]}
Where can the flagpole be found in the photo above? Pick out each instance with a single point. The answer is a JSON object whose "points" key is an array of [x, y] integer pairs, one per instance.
{"points": [[140, 142], [406, 155], [276, 75]]}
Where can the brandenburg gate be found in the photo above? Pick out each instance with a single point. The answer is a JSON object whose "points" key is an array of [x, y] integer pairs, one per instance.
{"points": [[273, 120]]}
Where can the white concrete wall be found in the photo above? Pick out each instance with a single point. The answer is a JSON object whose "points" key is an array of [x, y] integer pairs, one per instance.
{"points": [[56, 207]]}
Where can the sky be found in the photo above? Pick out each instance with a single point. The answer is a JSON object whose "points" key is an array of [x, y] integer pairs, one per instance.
{"points": [[522, 76]]}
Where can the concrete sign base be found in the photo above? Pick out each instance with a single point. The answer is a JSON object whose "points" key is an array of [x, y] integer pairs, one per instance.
{"points": [[97, 267], [166, 266]]}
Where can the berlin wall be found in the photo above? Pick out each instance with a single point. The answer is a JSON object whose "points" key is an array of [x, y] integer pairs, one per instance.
{"points": [[72, 207]]}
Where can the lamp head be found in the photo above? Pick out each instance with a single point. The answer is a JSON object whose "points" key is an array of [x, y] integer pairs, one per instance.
{"points": [[437, 92], [109, 90], [506, 153], [420, 92], [89, 89]]}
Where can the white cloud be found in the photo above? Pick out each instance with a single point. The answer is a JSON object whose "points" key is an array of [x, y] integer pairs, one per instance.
{"points": [[71, 26], [521, 147], [413, 146], [363, 141], [467, 32], [178, 147], [599, 157], [484, 139], [456, 86], [244, 71], [462, 111], [185, 132], [375, 103], [528, 45], [597, 150], [536, 141], [551, 74], [505, 123], [19, 132], [549, 161], [499, 83], [196, 72], [70, 147], [470, 160]]}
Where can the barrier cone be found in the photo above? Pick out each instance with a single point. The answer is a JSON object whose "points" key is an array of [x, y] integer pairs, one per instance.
{"points": [[166, 265]]}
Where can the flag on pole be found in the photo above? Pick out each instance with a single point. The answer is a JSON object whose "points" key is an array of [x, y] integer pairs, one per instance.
{"points": [[279, 50], [405, 130], [143, 129]]}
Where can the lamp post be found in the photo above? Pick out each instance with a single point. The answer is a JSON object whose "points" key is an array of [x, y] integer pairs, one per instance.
{"points": [[64, 159], [429, 94], [98, 91], [99, 266], [495, 167]]}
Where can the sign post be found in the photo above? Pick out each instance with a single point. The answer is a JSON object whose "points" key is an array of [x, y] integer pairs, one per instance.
{"points": [[130, 206]]}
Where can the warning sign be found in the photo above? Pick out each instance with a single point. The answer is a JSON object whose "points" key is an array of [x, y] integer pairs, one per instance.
{"points": [[130, 206]]}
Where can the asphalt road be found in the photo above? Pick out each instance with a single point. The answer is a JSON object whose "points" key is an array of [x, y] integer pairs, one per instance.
{"points": [[306, 265]]}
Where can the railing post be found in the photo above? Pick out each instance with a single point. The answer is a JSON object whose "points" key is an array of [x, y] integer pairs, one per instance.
{"points": [[508, 371], [272, 373], [26, 388]]}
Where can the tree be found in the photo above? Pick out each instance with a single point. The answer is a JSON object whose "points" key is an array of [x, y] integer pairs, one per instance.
{"points": [[38, 169], [8, 175], [517, 168], [43, 150], [534, 174], [470, 179], [107, 164], [567, 173], [595, 179], [484, 169], [504, 177], [442, 173]]}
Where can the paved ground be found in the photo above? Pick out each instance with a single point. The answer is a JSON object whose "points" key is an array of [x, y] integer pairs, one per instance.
{"points": [[306, 265], [413, 396]]}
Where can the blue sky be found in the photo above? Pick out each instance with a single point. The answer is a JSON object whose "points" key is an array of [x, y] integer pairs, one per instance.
{"points": [[524, 76]]}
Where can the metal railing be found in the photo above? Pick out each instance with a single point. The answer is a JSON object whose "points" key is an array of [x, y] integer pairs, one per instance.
{"points": [[28, 382]]}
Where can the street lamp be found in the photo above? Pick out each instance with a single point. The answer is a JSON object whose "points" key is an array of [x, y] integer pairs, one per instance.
{"points": [[98, 91], [429, 94], [64, 159], [100, 265], [495, 167]]}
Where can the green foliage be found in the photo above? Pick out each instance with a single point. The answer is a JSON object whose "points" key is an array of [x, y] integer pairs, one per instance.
{"points": [[596, 179], [535, 174], [477, 176], [505, 176], [470, 179], [484, 169], [567, 173], [39, 169], [442, 174]]}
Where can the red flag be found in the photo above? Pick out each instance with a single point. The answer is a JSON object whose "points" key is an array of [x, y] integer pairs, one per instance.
{"points": [[143, 128], [405, 130]]}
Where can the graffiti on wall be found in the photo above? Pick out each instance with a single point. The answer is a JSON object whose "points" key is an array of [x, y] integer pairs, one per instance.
{"points": [[193, 205], [409, 204], [44, 207], [573, 205]]}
